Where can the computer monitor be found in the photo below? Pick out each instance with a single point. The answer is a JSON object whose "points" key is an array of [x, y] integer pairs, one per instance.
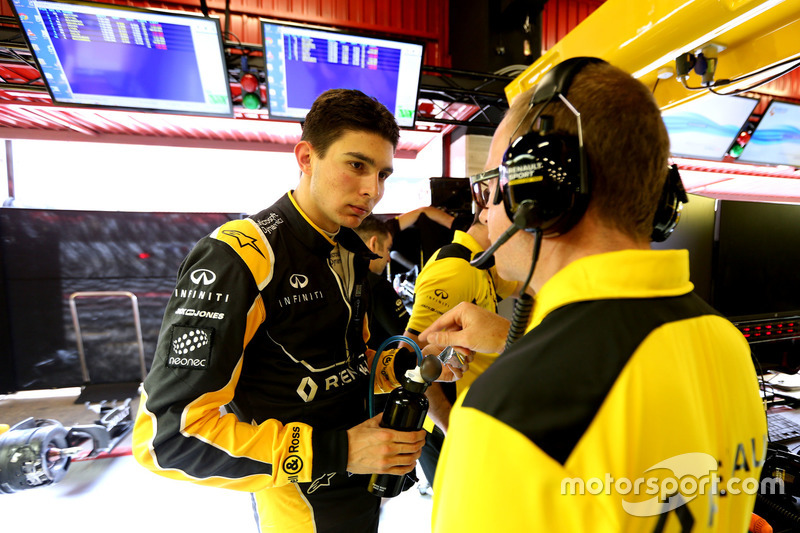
{"points": [[776, 139], [706, 127], [111, 56], [758, 253], [302, 62]]}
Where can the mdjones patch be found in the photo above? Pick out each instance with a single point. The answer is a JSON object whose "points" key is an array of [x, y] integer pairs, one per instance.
{"points": [[190, 347]]}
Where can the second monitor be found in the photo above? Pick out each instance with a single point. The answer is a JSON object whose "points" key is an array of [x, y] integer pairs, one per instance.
{"points": [[302, 62]]}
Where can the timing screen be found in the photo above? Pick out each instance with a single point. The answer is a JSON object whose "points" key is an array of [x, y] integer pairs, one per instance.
{"points": [[106, 56], [303, 63]]}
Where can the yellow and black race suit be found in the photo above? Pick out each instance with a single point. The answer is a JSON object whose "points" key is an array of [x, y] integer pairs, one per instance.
{"points": [[448, 279], [629, 405], [261, 367]]}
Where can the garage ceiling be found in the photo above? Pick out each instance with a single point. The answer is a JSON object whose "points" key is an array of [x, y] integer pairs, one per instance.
{"points": [[27, 112]]}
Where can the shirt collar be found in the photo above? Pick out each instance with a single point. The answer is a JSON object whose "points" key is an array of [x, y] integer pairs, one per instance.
{"points": [[615, 275], [468, 241]]}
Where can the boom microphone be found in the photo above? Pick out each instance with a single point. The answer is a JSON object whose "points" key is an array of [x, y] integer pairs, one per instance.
{"points": [[520, 222], [397, 256]]}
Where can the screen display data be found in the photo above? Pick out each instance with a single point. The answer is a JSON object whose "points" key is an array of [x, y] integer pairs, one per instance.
{"points": [[706, 127], [776, 139], [303, 62], [105, 56]]}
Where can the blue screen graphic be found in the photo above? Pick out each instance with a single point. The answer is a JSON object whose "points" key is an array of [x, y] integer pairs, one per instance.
{"points": [[124, 56], [706, 127], [114, 56], [303, 62], [315, 65]]}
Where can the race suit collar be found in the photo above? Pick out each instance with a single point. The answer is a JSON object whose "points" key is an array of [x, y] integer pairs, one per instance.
{"points": [[315, 237]]}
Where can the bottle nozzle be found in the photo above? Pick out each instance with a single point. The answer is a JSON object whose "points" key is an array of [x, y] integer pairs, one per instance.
{"points": [[430, 369]]}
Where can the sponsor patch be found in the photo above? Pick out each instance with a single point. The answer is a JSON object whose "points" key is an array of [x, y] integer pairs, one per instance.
{"points": [[190, 347], [292, 464]]}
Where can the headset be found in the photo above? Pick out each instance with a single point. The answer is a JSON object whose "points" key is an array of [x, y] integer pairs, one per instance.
{"points": [[545, 181], [668, 212]]}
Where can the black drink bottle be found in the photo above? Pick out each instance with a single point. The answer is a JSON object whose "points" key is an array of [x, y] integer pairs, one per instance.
{"points": [[405, 410]]}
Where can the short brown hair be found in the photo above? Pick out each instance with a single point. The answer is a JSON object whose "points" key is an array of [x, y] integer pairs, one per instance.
{"points": [[339, 110], [372, 225], [625, 141]]}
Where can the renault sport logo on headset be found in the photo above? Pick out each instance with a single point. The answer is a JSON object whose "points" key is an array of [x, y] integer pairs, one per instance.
{"points": [[298, 281]]}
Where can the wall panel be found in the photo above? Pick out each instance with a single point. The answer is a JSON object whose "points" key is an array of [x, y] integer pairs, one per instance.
{"points": [[559, 17], [424, 20]]}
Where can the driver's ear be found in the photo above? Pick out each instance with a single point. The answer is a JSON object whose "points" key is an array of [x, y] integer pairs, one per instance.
{"points": [[304, 153], [372, 244]]}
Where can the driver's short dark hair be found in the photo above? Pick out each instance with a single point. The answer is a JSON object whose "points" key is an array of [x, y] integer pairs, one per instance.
{"points": [[339, 110]]}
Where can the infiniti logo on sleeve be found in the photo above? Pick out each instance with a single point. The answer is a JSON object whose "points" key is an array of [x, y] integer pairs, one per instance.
{"points": [[298, 281], [203, 276]]}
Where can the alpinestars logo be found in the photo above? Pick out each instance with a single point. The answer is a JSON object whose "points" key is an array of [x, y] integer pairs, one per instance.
{"points": [[323, 481], [190, 347], [244, 240], [298, 281]]}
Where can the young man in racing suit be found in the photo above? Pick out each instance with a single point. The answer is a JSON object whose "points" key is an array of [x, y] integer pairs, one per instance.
{"points": [[260, 377]]}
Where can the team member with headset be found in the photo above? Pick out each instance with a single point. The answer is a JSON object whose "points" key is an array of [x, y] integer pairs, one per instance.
{"points": [[628, 404]]}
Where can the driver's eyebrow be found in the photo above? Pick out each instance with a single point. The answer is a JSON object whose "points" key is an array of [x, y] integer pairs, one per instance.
{"points": [[366, 159]]}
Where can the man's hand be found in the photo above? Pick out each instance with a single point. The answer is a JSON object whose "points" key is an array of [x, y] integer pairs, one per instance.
{"points": [[449, 373], [376, 450], [467, 328]]}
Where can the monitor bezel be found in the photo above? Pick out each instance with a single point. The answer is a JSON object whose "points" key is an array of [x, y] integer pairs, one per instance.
{"points": [[341, 31], [134, 9]]}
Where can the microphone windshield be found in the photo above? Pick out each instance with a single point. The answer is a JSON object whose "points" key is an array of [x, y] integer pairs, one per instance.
{"points": [[397, 256]]}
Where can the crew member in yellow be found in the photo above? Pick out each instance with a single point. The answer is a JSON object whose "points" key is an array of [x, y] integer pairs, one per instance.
{"points": [[629, 404]]}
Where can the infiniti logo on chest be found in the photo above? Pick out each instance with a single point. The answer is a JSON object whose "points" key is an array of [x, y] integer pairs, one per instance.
{"points": [[298, 281]]}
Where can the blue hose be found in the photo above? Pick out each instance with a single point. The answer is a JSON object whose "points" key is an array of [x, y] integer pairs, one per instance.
{"points": [[393, 338]]}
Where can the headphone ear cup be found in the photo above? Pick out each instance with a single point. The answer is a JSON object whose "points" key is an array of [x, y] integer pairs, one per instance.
{"points": [[545, 172], [668, 212]]}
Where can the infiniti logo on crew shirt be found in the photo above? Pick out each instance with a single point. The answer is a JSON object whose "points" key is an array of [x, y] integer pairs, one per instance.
{"points": [[298, 281], [203, 276]]}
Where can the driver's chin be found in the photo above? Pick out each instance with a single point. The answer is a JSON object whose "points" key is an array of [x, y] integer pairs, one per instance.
{"points": [[351, 221]]}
